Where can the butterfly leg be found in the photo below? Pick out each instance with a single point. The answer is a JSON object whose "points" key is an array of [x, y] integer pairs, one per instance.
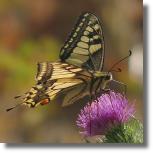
{"points": [[106, 90], [90, 119], [97, 111], [92, 99]]}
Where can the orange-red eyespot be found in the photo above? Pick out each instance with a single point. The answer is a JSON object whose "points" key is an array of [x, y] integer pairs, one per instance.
{"points": [[45, 101]]}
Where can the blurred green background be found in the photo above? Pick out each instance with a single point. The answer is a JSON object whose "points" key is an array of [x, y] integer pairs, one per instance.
{"points": [[32, 32]]}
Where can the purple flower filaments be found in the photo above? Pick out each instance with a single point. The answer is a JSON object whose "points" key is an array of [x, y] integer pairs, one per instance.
{"points": [[113, 110]]}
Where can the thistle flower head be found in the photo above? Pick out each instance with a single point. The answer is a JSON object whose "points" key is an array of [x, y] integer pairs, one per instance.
{"points": [[104, 114]]}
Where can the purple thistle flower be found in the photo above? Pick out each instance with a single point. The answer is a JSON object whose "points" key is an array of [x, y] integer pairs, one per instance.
{"points": [[113, 110]]}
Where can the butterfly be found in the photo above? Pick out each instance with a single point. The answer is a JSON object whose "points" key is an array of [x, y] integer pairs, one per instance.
{"points": [[79, 71]]}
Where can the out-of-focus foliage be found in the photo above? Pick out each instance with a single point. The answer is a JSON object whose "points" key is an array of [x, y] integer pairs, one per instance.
{"points": [[32, 32]]}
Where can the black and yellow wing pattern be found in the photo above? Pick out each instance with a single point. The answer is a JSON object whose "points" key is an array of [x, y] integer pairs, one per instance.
{"points": [[79, 70], [85, 45]]}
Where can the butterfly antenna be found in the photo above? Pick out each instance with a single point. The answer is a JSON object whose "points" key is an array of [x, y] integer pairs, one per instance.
{"points": [[121, 60], [119, 70]]}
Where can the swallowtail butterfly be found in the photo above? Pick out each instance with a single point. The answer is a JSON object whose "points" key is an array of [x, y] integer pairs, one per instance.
{"points": [[79, 71]]}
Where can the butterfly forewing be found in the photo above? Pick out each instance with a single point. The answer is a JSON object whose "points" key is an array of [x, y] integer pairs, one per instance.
{"points": [[85, 45]]}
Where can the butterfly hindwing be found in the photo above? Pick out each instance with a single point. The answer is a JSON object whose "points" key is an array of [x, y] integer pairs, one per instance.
{"points": [[85, 45], [54, 79]]}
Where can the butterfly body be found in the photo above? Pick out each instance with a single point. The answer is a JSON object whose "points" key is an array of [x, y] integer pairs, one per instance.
{"points": [[79, 71]]}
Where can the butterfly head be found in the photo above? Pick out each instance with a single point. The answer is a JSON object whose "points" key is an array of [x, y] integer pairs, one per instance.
{"points": [[107, 76], [102, 79]]}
